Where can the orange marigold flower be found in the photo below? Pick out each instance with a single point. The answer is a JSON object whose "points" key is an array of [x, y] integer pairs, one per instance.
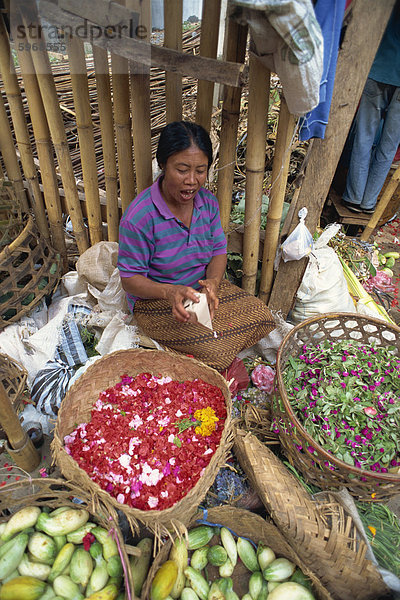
{"points": [[208, 421]]}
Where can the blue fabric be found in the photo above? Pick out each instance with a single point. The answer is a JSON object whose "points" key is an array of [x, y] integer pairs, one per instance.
{"points": [[386, 65], [369, 164], [329, 14]]}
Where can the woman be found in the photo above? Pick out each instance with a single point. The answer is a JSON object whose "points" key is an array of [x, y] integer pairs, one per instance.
{"points": [[172, 246]]}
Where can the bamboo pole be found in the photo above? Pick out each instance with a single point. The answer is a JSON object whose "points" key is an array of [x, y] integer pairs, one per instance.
{"points": [[9, 155], [141, 119], [55, 121], [210, 21], [259, 80], [122, 121], [280, 170], [141, 127], [45, 152], [382, 204], [13, 93], [85, 134], [173, 11], [236, 49], [103, 87], [20, 445]]}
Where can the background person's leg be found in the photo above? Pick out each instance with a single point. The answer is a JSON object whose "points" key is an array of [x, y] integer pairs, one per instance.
{"points": [[385, 150], [367, 124]]}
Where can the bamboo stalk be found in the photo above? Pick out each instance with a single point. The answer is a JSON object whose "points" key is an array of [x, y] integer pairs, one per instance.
{"points": [[280, 170], [122, 121], [55, 121], [85, 133], [210, 19], [259, 80], [173, 10], [103, 87], [382, 204], [236, 48], [9, 155], [141, 129], [21, 131], [45, 152], [141, 118]]}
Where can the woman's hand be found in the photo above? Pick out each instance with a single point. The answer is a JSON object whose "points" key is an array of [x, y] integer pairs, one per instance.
{"points": [[210, 288], [176, 296]]}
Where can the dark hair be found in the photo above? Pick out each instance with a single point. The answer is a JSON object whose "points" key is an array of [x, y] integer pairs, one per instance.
{"points": [[180, 135]]}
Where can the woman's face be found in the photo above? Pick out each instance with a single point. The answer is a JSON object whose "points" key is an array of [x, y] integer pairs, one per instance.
{"points": [[184, 174]]}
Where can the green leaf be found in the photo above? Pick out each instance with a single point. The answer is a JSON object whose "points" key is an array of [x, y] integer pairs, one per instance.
{"points": [[185, 424], [347, 458]]}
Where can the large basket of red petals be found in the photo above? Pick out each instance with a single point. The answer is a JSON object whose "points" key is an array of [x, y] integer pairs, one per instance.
{"points": [[148, 431]]}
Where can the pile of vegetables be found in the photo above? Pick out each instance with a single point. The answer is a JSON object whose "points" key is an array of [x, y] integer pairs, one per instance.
{"points": [[208, 565], [56, 555], [387, 261]]}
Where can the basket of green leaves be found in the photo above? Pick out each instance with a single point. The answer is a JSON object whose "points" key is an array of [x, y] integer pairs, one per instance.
{"points": [[336, 403]]}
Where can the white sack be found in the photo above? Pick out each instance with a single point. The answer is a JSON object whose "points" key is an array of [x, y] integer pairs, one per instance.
{"points": [[97, 267], [324, 287], [118, 336]]}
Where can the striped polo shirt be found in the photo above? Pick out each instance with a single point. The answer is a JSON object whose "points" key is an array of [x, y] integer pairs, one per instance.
{"points": [[156, 244]]}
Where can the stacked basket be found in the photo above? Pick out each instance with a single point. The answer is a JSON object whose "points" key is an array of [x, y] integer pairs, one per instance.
{"points": [[30, 269], [11, 223]]}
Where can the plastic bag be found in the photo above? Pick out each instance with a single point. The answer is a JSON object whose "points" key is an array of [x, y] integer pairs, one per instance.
{"points": [[300, 242]]}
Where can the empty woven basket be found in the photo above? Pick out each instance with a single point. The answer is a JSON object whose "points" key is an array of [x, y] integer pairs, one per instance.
{"points": [[29, 270], [325, 538]]}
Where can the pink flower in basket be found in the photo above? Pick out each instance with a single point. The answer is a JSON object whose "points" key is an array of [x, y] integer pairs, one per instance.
{"points": [[263, 378]]}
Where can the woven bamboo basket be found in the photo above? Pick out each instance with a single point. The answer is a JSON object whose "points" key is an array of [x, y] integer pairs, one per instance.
{"points": [[322, 534], [320, 467], [104, 373], [55, 493], [11, 223], [29, 270], [249, 525], [13, 377]]}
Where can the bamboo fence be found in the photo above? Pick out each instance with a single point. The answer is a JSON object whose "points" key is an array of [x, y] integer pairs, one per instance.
{"points": [[86, 127]]}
